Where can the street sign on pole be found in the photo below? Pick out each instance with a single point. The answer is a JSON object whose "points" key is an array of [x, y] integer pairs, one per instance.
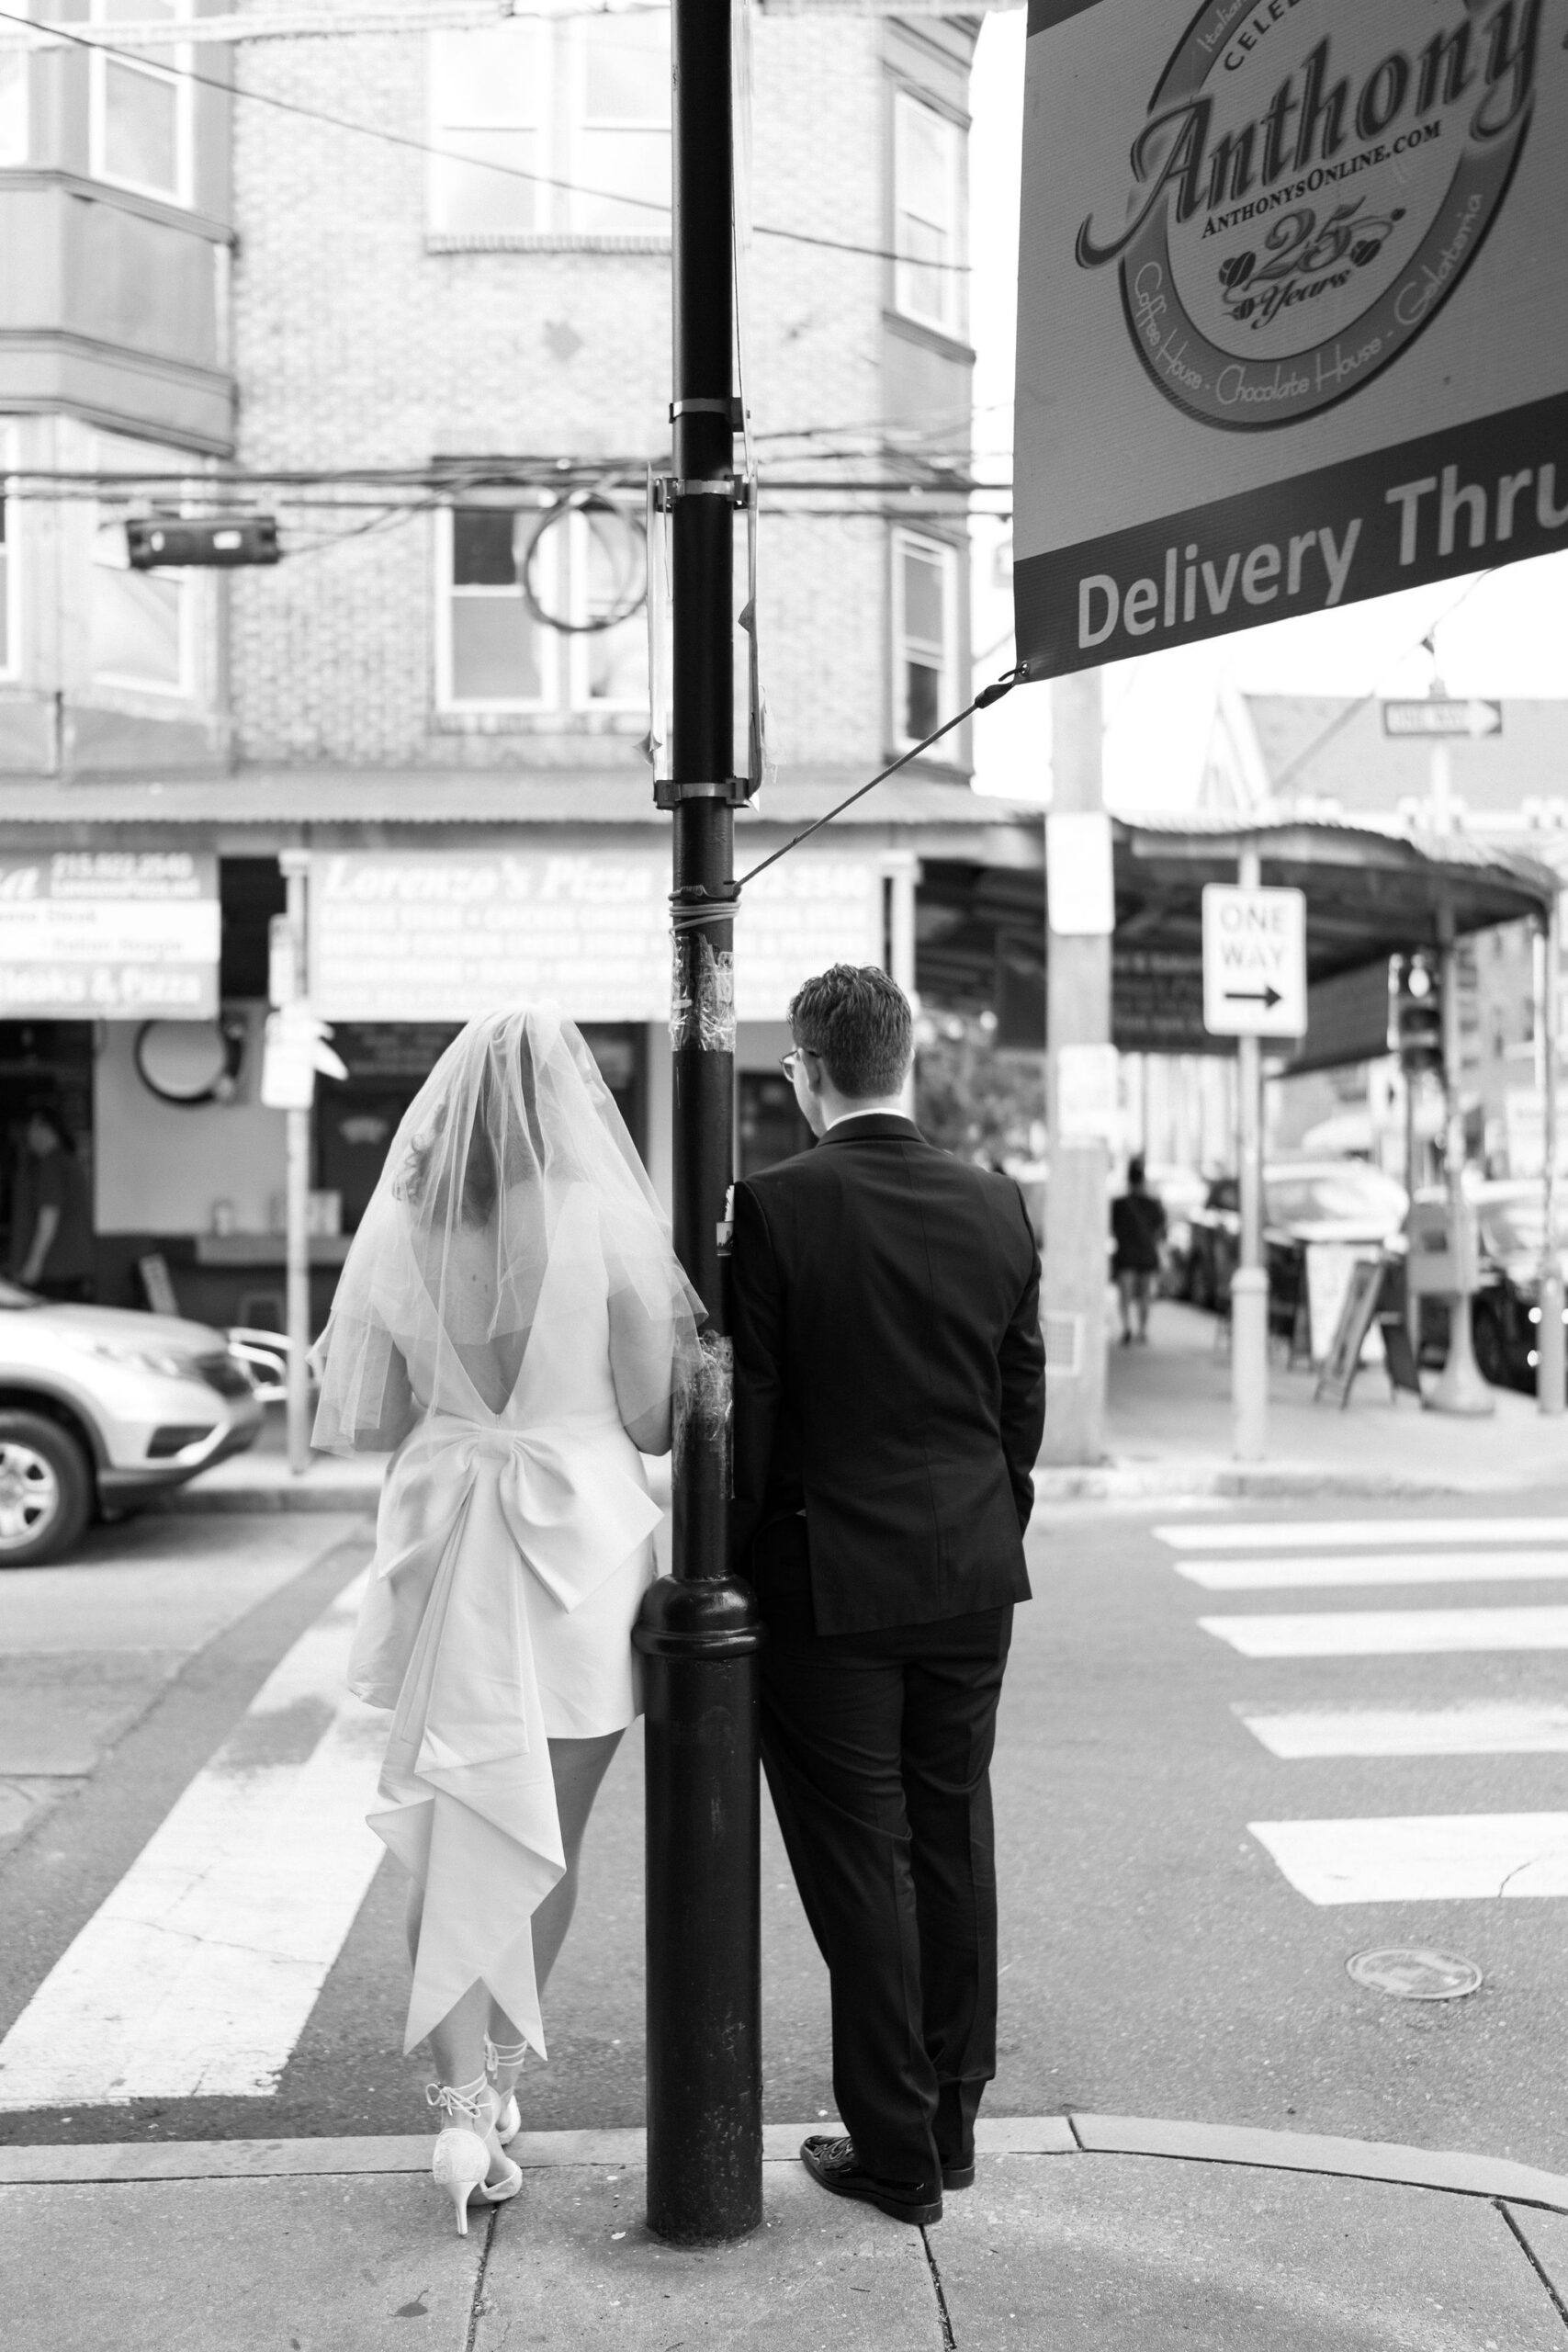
{"points": [[1290, 321], [1254, 962], [1439, 715]]}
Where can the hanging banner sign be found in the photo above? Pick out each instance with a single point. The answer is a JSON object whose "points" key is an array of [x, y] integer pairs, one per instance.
{"points": [[1292, 311], [109, 936], [442, 936]]}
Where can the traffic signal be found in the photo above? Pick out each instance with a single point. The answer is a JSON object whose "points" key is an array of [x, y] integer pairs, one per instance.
{"points": [[218, 543], [1418, 1014]]}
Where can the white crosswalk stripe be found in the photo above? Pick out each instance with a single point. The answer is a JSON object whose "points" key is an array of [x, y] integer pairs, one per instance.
{"points": [[1337, 1570], [1392, 1633], [1355, 1534], [196, 1975], [1477, 1729], [1404, 1859], [1422, 1857]]}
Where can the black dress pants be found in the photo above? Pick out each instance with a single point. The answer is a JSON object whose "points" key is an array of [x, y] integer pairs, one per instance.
{"points": [[877, 1748]]}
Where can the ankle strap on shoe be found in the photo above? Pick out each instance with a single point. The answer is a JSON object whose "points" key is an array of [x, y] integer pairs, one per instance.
{"points": [[464, 2100], [504, 2054]]}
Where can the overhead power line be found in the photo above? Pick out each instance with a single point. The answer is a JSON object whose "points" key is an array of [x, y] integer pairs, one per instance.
{"points": [[431, 16], [412, 145]]}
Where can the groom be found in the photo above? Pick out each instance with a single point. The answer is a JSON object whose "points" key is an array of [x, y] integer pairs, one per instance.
{"points": [[889, 1402]]}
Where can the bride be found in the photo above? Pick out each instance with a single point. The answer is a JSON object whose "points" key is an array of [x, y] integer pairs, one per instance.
{"points": [[511, 1317]]}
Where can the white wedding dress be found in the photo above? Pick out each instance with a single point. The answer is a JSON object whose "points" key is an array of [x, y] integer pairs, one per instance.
{"points": [[513, 1547]]}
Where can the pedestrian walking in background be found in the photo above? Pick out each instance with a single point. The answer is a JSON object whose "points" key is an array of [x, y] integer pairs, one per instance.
{"points": [[1137, 1230], [890, 1400], [51, 1223]]}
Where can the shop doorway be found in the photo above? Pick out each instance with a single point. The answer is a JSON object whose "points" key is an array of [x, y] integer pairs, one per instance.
{"points": [[389, 1061], [44, 1065]]}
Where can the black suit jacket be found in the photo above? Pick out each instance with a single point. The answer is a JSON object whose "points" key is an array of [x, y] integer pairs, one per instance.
{"points": [[890, 1375]]}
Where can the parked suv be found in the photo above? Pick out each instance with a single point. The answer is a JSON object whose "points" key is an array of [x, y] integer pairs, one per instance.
{"points": [[100, 1407]]}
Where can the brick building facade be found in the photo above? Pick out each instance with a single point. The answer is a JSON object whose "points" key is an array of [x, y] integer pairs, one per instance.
{"points": [[431, 296]]}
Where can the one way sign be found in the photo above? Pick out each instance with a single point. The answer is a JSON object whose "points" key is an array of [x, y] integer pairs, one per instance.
{"points": [[1254, 962]]}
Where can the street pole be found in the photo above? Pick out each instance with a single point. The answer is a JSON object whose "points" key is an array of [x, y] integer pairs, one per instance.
{"points": [[296, 865], [698, 1631], [1551, 1374], [1249, 1283], [1077, 1017], [1459, 1387]]}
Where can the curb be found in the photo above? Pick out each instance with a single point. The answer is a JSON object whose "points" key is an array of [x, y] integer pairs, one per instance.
{"points": [[1114, 1482], [1450, 2172]]}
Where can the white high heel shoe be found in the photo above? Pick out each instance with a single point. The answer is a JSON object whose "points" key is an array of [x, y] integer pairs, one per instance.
{"points": [[509, 2119], [467, 2146]]}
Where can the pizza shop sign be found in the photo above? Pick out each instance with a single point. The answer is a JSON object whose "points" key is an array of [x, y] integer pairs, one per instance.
{"points": [[1304, 258], [109, 936]]}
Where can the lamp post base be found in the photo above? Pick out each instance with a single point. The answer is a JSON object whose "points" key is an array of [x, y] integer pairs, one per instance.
{"points": [[1249, 1363], [698, 1643], [1460, 1388]]}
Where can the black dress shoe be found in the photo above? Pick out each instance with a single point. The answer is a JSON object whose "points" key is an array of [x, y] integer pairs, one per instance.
{"points": [[958, 2176], [834, 2165]]}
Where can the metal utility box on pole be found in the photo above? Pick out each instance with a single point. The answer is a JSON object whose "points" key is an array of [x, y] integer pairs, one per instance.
{"points": [[1081, 1073], [698, 1631]]}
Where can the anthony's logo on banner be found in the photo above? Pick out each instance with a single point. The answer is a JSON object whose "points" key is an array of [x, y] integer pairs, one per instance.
{"points": [[1301, 259]]}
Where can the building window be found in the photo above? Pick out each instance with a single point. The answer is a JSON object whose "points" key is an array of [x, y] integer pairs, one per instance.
{"points": [[609, 665], [140, 622], [9, 649], [925, 635], [928, 169], [13, 103], [557, 127], [495, 654], [140, 106]]}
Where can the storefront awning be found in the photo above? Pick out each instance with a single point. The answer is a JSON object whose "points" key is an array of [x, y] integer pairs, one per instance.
{"points": [[1370, 894]]}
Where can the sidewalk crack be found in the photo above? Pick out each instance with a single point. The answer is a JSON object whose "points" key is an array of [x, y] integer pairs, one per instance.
{"points": [[1534, 2260], [475, 2309], [949, 2341]]}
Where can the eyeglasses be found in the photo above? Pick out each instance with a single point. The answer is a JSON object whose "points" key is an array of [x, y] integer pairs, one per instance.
{"points": [[787, 1061]]}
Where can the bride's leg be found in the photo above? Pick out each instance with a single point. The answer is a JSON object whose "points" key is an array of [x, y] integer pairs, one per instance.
{"points": [[579, 1767], [458, 2043]]}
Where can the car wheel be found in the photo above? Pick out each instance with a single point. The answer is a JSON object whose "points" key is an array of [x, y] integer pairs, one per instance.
{"points": [[1491, 1356], [46, 1490]]}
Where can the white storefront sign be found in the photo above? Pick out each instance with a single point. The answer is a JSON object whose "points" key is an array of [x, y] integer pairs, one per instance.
{"points": [[109, 936], [441, 935], [1254, 962], [1292, 311]]}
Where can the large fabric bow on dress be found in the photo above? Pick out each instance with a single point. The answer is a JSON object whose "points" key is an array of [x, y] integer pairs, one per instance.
{"points": [[473, 1516]]}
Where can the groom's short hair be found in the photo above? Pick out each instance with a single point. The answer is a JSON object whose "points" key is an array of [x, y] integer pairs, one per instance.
{"points": [[859, 1023]]}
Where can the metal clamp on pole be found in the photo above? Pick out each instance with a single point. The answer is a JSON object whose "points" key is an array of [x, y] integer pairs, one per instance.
{"points": [[733, 791]]}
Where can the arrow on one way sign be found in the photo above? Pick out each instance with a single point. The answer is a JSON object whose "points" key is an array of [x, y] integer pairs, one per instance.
{"points": [[1254, 962], [1266, 997]]}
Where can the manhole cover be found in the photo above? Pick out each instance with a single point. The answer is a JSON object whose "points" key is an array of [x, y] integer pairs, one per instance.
{"points": [[1412, 1975]]}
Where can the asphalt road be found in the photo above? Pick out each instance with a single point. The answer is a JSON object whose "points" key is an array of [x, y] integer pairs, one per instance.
{"points": [[1157, 1958]]}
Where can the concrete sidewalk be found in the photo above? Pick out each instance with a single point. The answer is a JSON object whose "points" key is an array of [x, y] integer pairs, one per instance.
{"points": [[1168, 1434], [1089, 2232]]}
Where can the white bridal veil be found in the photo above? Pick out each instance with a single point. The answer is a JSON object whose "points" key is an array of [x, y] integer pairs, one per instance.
{"points": [[443, 1276]]}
